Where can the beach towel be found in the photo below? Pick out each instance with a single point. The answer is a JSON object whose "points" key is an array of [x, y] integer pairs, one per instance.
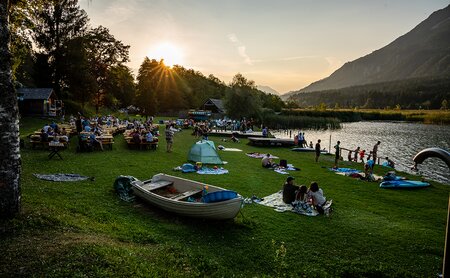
{"points": [[283, 170], [260, 155], [212, 171], [275, 201], [353, 173], [61, 177], [231, 150], [344, 170]]}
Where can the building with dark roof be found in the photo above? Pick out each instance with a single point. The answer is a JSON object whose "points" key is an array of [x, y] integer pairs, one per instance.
{"points": [[39, 101], [214, 105]]}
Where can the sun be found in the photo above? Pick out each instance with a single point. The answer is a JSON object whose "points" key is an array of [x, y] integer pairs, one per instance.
{"points": [[171, 54]]}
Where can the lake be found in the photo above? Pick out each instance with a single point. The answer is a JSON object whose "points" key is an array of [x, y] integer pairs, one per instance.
{"points": [[400, 141]]}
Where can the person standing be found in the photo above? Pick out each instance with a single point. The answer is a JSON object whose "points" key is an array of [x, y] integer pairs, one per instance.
{"points": [[338, 154], [374, 153], [355, 158], [300, 139], [362, 154], [265, 132], [317, 150], [169, 138]]}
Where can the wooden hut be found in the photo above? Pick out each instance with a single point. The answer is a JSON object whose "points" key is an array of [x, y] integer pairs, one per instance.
{"points": [[39, 101]]}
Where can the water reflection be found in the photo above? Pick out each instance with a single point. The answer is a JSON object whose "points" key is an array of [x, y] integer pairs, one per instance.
{"points": [[399, 141]]}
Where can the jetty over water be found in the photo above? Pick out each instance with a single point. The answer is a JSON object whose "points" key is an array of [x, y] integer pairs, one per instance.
{"points": [[280, 142], [239, 134]]}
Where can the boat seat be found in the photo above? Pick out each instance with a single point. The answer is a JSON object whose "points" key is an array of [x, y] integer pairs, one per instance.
{"points": [[186, 194], [149, 185]]}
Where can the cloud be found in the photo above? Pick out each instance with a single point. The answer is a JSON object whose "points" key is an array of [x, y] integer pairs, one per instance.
{"points": [[241, 48], [333, 63], [297, 58]]}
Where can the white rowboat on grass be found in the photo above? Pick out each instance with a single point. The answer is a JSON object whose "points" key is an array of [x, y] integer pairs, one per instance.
{"points": [[184, 197]]}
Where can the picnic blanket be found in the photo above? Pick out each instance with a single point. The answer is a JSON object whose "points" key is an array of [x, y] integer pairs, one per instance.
{"points": [[231, 150], [344, 170], [282, 170], [61, 177], [211, 171], [260, 155], [275, 201], [354, 173]]}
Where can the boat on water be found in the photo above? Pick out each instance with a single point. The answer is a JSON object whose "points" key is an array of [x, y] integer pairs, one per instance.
{"points": [[397, 184], [188, 198]]}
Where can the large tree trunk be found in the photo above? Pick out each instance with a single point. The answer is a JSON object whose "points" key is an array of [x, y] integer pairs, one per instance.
{"points": [[9, 126]]}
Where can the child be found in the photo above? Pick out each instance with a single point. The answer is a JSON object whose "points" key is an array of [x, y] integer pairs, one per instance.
{"points": [[301, 200], [361, 155], [349, 156], [301, 194], [316, 195]]}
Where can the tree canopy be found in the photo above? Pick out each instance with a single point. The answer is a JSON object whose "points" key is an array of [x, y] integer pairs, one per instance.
{"points": [[87, 64]]}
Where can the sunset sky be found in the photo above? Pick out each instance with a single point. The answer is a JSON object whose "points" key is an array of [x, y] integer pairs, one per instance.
{"points": [[285, 44]]}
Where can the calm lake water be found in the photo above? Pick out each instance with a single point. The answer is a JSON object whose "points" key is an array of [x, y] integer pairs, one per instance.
{"points": [[400, 141]]}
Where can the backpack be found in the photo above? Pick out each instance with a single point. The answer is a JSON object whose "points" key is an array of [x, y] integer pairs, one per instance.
{"points": [[188, 168]]}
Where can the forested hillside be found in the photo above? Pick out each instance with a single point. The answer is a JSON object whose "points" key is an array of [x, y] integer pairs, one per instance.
{"points": [[54, 46], [425, 93]]}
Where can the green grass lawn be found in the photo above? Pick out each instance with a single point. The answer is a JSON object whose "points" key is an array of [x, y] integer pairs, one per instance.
{"points": [[82, 229]]}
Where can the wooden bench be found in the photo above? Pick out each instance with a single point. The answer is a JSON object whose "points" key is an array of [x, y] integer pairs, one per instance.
{"points": [[146, 145], [186, 194], [149, 145], [108, 143], [37, 142], [150, 186]]}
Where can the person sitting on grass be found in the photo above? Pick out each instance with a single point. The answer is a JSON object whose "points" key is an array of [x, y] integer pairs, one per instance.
{"points": [[302, 194], [368, 170], [316, 195], [390, 163], [267, 162], [289, 190]]}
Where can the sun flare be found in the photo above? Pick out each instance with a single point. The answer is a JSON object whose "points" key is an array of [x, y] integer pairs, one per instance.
{"points": [[171, 54]]}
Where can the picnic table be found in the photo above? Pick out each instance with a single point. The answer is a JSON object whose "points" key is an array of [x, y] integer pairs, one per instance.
{"points": [[106, 139], [55, 147]]}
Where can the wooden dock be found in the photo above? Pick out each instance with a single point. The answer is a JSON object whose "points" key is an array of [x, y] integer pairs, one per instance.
{"points": [[271, 142], [240, 134]]}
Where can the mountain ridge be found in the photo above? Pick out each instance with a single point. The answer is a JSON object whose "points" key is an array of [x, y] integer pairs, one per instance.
{"points": [[268, 90], [422, 52]]}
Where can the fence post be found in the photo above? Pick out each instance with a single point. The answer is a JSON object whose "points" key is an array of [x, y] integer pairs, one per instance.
{"points": [[329, 146], [445, 263]]}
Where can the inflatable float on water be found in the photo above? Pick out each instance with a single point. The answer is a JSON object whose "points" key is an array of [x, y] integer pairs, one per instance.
{"points": [[431, 152]]}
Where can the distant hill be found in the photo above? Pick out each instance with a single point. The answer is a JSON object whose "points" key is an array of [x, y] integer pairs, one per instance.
{"points": [[413, 93], [268, 90], [422, 52]]}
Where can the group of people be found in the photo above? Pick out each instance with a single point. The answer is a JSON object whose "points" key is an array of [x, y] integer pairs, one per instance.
{"points": [[300, 140], [304, 196], [53, 130], [147, 135], [201, 130], [86, 124], [234, 125]]}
